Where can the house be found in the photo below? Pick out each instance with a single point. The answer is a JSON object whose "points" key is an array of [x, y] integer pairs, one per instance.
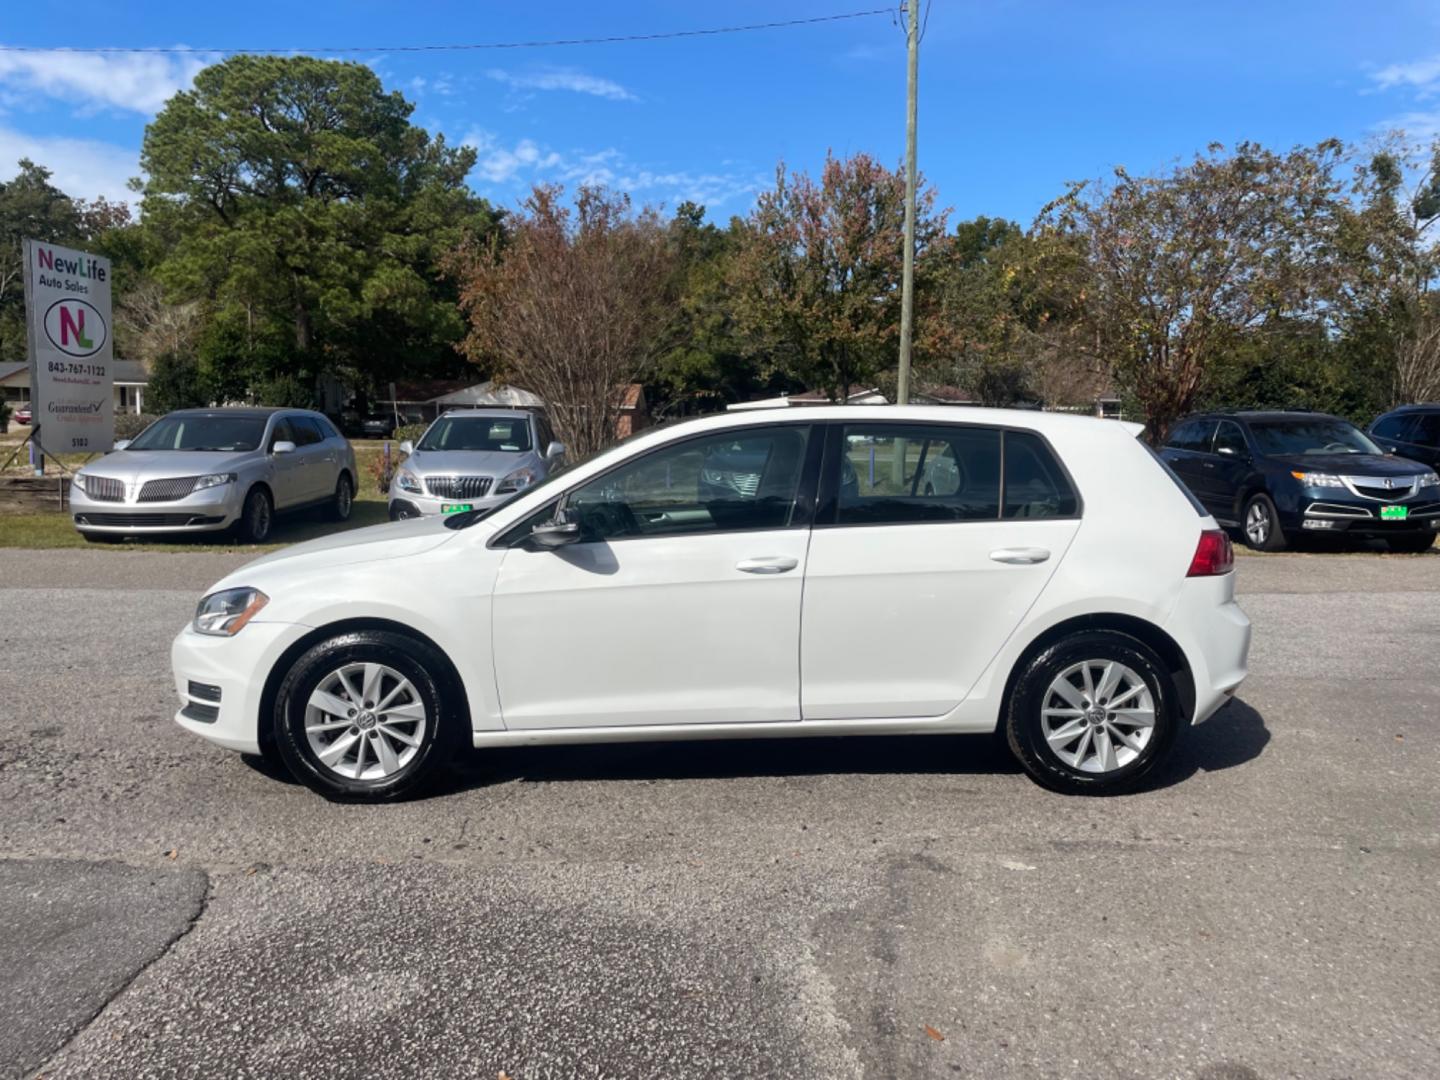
{"points": [[131, 378]]}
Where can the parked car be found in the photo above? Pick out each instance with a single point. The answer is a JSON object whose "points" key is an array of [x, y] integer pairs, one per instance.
{"points": [[209, 470], [1278, 475], [22, 415], [635, 598], [1411, 431], [473, 459]]}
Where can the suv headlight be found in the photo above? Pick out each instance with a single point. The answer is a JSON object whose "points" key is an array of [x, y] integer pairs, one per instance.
{"points": [[78, 480], [518, 480], [1430, 479], [215, 480], [407, 481], [225, 613], [1318, 479]]}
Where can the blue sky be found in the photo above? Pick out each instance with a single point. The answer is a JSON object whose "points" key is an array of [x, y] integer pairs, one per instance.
{"points": [[1017, 96]]}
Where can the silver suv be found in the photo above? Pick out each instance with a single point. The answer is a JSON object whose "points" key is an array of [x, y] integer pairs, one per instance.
{"points": [[473, 459], [207, 470]]}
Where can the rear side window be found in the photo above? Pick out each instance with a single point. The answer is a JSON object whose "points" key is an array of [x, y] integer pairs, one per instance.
{"points": [[327, 429], [1035, 485], [891, 474]]}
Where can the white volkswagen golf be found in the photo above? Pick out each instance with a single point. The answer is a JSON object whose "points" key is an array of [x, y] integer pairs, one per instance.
{"points": [[831, 571]]}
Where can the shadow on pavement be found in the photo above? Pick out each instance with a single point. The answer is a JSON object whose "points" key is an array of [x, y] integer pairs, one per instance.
{"points": [[1233, 736]]}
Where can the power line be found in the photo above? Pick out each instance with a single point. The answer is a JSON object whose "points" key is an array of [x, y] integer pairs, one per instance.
{"points": [[613, 40]]}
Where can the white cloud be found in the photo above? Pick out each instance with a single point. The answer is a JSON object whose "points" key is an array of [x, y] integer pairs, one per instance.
{"points": [[563, 79], [137, 82], [1418, 125], [82, 168], [1421, 75], [499, 164]]}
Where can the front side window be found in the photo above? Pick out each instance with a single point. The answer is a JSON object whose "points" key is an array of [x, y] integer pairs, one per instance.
{"points": [[307, 432], [198, 432], [891, 474], [1192, 435], [727, 481], [1229, 439], [504, 434], [1321, 435]]}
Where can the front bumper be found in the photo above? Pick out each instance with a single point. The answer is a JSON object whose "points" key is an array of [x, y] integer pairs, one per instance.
{"points": [[207, 510], [1363, 519], [405, 504], [221, 680]]}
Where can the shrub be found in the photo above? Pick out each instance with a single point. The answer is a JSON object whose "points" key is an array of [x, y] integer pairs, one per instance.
{"points": [[4, 416], [411, 432], [382, 472], [128, 425]]}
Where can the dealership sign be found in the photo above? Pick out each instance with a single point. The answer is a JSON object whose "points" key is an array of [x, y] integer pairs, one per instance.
{"points": [[67, 318]]}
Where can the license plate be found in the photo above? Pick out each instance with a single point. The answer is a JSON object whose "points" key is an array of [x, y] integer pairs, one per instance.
{"points": [[1394, 513], [460, 508]]}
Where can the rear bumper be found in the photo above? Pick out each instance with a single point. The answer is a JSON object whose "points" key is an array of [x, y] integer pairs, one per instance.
{"points": [[1214, 634]]}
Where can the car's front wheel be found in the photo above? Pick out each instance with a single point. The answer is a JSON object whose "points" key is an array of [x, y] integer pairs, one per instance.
{"points": [[257, 517], [1092, 714], [344, 500], [1262, 524], [365, 716]]}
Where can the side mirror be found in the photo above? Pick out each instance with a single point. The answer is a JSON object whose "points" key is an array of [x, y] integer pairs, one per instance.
{"points": [[407, 448], [564, 529], [121, 444], [283, 446], [1228, 451], [554, 450]]}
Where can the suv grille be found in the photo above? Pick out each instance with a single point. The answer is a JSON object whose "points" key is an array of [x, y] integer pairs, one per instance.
{"points": [[105, 488], [167, 490], [458, 487]]}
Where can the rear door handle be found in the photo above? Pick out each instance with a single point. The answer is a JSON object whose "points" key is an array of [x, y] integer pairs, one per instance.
{"points": [[767, 564], [1020, 556]]}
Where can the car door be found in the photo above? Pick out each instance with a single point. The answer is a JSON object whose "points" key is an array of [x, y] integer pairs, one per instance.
{"points": [[1223, 471], [288, 478], [680, 604], [317, 473], [920, 565], [1186, 449]]}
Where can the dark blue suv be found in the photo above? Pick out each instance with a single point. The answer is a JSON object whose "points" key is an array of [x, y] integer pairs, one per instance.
{"points": [[1279, 475]]}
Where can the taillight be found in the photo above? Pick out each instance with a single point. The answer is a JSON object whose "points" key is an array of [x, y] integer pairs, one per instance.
{"points": [[1213, 555]]}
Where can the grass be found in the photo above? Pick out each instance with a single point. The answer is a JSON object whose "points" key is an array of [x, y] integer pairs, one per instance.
{"points": [[57, 530]]}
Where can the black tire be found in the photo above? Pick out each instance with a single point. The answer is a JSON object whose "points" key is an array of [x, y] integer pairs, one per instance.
{"points": [[1024, 725], [442, 732], [257, 519], [1411, 543], [101, 538], [1273, 538], [344, 500]]}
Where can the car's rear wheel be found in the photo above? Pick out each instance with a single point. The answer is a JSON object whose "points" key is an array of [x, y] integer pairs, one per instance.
{"points": [[364, 716], [1092, 714], [257, 518], [1262, 524], [1411, 544], [344, 500]]}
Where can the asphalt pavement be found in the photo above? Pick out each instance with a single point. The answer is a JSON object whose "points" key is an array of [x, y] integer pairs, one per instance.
{"points": [[810, 908]]}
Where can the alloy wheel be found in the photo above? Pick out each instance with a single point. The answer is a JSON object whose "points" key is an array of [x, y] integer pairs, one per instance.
{"points": [[260, 518], [344, 499], [1257, 523], [1098, 716], [365, 721]]}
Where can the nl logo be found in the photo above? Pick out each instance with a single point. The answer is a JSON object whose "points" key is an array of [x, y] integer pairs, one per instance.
{"points": [[75, 327]]}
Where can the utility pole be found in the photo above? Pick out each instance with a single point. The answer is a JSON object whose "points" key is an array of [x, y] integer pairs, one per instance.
{"points": [[907, 281]]}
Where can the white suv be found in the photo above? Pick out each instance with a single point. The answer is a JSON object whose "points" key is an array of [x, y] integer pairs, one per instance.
{"points": [[748, 575]]}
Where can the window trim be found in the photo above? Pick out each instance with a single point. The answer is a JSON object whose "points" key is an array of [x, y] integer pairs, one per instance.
{"points": [[802, 505], [828, 500]]}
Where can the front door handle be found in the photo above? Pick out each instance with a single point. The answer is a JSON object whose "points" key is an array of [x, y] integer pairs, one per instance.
{"points": [[1020, 556], [767, 564]]}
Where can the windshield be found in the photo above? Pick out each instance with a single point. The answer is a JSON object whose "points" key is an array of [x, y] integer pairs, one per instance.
{"points": [[1319, 436], [506, 434], [201, 432]]}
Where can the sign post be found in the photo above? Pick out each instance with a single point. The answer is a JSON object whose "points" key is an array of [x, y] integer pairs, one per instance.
{"points": [[72, 378]]}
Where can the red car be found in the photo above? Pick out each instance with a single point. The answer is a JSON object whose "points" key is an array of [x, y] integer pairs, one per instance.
{"points": [[22, 415]]}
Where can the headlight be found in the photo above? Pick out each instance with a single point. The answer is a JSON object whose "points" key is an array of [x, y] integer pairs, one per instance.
{"points": [[1318, 479], [215, 480], [407, 481], [225, 613], [1429, 479], [78, 480], [518, 480]]}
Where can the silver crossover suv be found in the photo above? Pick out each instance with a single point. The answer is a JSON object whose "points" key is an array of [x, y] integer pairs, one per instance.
{"points": [[204, 470], [473, 459]]}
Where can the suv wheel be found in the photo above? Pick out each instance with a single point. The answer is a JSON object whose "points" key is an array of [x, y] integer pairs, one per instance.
{"points": [[344, 500], [1262, 524], [257, 518], [1092, 714], [362, 717]]}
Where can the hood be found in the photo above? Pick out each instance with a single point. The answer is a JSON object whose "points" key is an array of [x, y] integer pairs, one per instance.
{"points": [[496, 463], [1353, 464], [392, 541], [130, 465]]}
